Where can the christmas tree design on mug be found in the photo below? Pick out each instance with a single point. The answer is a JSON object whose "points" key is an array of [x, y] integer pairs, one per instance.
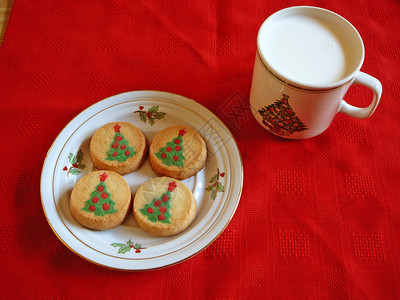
{"points": [[280, 118]]}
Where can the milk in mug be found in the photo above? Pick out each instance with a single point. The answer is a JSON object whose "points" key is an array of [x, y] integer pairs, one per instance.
{"points": [[308, 50]]}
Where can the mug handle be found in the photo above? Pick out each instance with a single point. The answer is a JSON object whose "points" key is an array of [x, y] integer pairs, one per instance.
{"points": [[358, 112]]}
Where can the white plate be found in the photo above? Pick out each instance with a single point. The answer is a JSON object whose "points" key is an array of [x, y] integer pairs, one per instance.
{"points": [[127, 247]]}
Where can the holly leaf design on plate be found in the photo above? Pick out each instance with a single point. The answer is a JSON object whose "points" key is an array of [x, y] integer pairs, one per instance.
{"points": [[143, 116], [215, 186], [153, 109], [128, 246], [76, 166], [159, 115], [150, 115], [74, 171]]}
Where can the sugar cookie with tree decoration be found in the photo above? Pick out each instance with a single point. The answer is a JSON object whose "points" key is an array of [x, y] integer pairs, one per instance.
{"points": [[118, 146], [100, 200], [164, 206], [178, 152]]}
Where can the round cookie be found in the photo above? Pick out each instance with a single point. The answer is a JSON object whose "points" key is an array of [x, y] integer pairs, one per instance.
{"points": [[119, 147], [178, 152], [164, 206], [100, 200]]}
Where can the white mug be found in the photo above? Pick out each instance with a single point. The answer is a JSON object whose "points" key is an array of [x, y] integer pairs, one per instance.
{"points": [[307, 58]]}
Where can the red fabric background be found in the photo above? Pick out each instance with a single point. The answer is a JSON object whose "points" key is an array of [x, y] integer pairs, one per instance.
{"points": [[318, 218]]}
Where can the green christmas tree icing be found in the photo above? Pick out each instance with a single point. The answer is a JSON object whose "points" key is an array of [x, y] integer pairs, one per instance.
{"points": [[159, 208], [120, 150], [100, 202], [172, 153]]}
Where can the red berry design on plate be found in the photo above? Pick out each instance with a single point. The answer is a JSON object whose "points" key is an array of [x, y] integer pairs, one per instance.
{"points": [[150, 115], [216, 184], [124, 248]]}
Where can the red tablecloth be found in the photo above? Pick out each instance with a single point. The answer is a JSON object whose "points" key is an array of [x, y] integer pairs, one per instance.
{"points": [[318, 218]]}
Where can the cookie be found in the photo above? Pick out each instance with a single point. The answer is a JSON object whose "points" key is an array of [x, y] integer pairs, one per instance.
{"points": [[164, 206], [119, 146], [100, 200], [178, 152]]}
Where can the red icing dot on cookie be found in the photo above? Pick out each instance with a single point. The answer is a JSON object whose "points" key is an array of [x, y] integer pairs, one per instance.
{"points": [[106, 206], [100, 188], [115, 145], [118, 138], [92, 208], [177, 141], [175, 158], [127, 153], [178, 148], [165, 198], [169, 149], [163, 155], [104, 195], [157, 203], [150, 210], [95, 199], [123, 147], [115, 154], [161, 217], [163, 209]]}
